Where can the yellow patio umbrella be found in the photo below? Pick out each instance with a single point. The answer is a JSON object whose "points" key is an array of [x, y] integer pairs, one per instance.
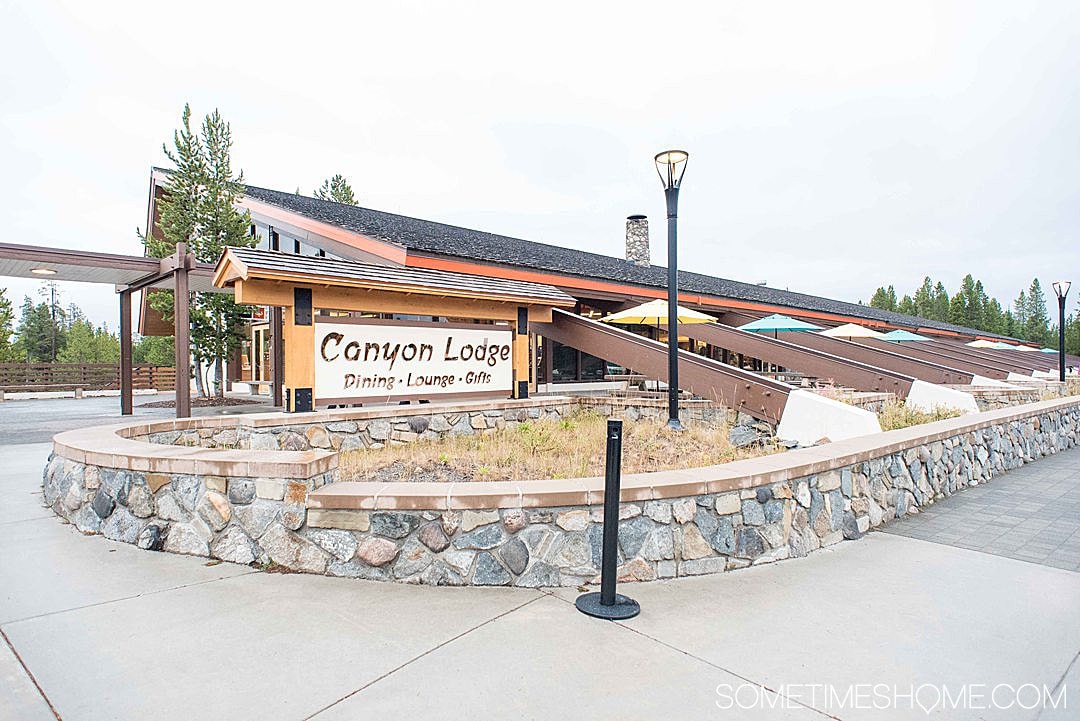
{"points": [[655, 312], [851, 330]]}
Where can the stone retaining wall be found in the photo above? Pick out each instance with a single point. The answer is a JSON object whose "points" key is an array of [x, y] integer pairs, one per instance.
{"points": [[547, 533]]}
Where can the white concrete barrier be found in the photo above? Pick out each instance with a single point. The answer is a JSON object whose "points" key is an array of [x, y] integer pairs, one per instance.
{"points": [[809, 418], [929, 396]]}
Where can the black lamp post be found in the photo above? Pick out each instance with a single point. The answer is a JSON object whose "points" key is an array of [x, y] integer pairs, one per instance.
{"points": [[1061, 288], [671, 164]]}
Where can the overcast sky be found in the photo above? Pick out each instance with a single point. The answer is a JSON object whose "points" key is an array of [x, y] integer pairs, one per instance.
{"points": [[834, 146]]}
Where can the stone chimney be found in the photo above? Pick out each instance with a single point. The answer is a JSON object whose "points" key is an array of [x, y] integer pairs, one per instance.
{"points": [[637, 240]]}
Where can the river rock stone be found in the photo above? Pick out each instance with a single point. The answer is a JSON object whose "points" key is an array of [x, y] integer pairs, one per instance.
{"points": [[241, 491], [214, 508], [514, 520], [439, 574], [636, 569], [183, 538], [117, 484], [515, 555], [290, 550], [339, 544], [694, 544], [141, 501], [186, 490], [489, 572], [317, 437], [576, 520], [87, 520], [103, 504], [375, 551], [753, 513], [412, 559], [683, 510], [659, 545], [234, 546], [748, 543], [482, 538], [256, 517], [393, 524], [122, 526], [659, 511], [475, 519], [539, 575], [632, 534], [774, 511], [432, 535], [379, 429], [151, 538]]}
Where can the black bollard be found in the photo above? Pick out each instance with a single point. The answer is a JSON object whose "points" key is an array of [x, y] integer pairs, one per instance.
{"points": [[608, 604]]}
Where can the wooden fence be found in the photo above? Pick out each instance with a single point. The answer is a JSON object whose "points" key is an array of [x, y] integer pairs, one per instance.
{"points": [[15, 377]]}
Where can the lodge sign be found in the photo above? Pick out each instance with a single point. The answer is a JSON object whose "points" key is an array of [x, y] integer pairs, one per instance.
{"points": [[383, 360]]}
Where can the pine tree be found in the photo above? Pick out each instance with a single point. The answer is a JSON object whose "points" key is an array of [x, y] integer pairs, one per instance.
{"points": [[906, 306], [1037, 327], [154, 350], [958, 309], [336, 189], [924, 299], [941, 302], [1020, 315], [42, 333], [199, 208]]}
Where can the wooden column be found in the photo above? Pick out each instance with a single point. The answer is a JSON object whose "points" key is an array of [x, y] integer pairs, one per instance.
{"points": [[521, 353], [182, 333], [126, 400], [300, 350], [277, 355]]}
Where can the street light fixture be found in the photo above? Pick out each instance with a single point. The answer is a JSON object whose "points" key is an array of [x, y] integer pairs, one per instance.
{"points": [[1061, 288], [670, 165]]}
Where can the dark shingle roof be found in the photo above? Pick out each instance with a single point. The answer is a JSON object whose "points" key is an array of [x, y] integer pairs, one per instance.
{"points": [[273, 261], [438, 238]]}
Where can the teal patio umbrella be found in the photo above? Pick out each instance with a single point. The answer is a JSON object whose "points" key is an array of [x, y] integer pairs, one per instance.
{"points": [[903, 336], [776, 323], [1048, 350]]}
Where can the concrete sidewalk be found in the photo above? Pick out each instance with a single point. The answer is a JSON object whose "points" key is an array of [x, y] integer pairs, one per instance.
{"points": [[100, 630]]}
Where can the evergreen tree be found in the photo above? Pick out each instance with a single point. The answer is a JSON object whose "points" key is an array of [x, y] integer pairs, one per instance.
{"points": [[86, 344], [7, 328], [994, 318], [973, 300], [1037, 327], [1020, 314], [906, 306], [199, 208], [958, 309], [924, 299], [153, 350], [940, 302], [41, 334], [336, 189]]}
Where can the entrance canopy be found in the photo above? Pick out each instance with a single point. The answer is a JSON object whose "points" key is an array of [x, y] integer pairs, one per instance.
{"points": [[323, 347], [127, 272]]}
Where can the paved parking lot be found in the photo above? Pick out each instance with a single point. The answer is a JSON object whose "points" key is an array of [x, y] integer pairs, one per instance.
{"points": [[38, 420], [1030, 514]]}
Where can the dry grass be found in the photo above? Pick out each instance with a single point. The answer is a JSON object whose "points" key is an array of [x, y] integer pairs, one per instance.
{"points": [[570, 448], [896, 414]]}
